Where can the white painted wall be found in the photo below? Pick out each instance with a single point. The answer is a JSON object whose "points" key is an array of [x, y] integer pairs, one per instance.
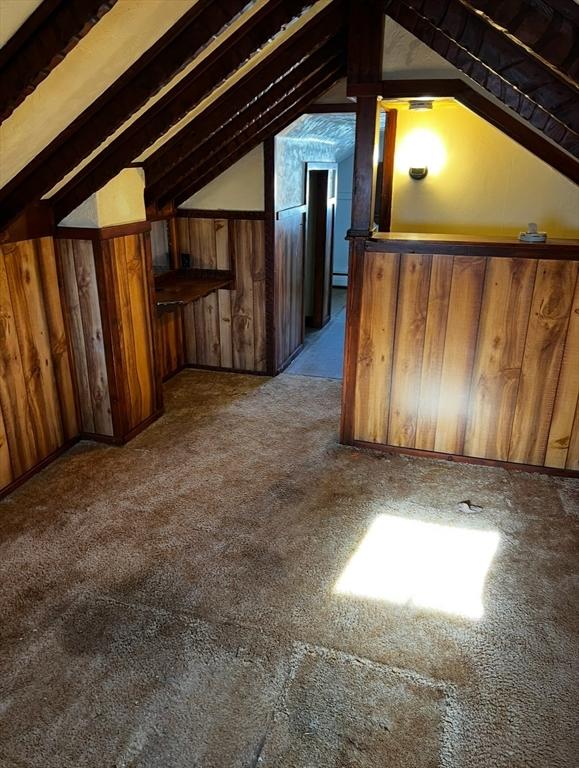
{"points": [[239, 188], [343, 218], [121, 201]]}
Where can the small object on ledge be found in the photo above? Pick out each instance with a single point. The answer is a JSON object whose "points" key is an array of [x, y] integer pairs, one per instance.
{"points": [[532, 236]]}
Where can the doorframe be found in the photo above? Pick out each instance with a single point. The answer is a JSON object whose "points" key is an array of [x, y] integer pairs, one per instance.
{"points": [[322, 265]]}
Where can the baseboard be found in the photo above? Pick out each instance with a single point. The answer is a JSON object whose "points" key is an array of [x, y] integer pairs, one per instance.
{"points": [[38, 467], [290, 359], [458, 459], [219, 369]]}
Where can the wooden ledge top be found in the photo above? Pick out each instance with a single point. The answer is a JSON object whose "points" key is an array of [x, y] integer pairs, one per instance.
{"points": [[183, 286], [471, 245]]}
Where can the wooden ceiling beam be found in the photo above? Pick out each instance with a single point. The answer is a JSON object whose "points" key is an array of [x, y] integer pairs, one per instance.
{"points": [[549, 30], [278, 119], [477, 70], [41, 43], [224, 61], [365, 41], [209, 147], [261, 80], [503, 57], [154, 69]]}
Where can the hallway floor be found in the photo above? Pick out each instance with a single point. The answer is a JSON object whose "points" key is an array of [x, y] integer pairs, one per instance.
{"points": [[323, 352], [236, 589]]}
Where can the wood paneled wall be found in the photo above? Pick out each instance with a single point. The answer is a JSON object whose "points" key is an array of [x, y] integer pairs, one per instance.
{"points": [[228, 328], [38, 412], [170, 342], [468, 356], [289, 284], [109, 296]]}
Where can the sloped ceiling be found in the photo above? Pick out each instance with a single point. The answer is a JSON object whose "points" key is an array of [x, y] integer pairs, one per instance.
{"points": [[149, 81]]}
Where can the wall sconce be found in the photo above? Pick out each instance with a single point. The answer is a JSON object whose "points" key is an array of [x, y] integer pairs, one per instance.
{"points": [[418, 172]]}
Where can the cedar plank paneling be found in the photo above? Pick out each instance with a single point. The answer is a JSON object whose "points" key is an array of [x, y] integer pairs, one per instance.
{"points": [[33, 338], [170, 342], [551, 304], [375, 347], [58, 337], [433, 351], [227, 328], [499, 356], [562, 450], [459, 346], [92, 349], [408, 348], [37, 397], [288, 285]]}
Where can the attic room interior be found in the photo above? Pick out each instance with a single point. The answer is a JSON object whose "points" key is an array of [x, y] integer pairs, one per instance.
{"points": [[289, 383]]}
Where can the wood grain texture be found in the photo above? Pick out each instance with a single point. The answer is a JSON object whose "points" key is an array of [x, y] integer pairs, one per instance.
{"points": [[81, 298], [408, 348], [376, 348], [37, 398], [288, 286], [499, 355], [227, 328], [433, 351], [464, 356], [563, 442], [459, 345], [170, 342], [550, 309]]}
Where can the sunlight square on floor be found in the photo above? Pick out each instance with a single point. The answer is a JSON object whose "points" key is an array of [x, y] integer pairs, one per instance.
{"points": [[426, 565]]}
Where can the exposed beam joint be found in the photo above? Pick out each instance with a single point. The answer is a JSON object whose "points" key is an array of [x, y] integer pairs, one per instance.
{"points": [[365, 42], [225, 60]]}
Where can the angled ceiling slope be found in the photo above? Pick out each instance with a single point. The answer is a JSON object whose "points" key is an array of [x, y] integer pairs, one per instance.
{"points": [[528, 74]]}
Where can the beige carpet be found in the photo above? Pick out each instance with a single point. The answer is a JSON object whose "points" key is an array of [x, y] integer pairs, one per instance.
{"points": [[234, 588]]}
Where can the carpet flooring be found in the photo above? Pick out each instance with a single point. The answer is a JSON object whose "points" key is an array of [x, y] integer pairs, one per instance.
{"points": [[235, 589]]}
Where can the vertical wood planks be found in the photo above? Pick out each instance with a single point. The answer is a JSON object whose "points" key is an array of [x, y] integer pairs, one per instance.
{"points": [[499, 355], [81, 298], [226, 329], [550, 308], [170, 344], [433, 351], [288, 286], [37, 398], [563, 443], [465, 355], [375, 347], [459, 347], [408, 348]]}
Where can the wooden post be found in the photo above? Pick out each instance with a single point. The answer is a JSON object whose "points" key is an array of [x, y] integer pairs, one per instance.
{"points": [[385, 218], [365, 165], [365, 43]]}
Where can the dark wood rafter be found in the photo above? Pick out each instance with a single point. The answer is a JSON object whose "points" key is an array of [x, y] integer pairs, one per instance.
{"points": [[154, 69], [365, 41], [504, 57], [248, 109], [282, 115], [550, 105], [549, 29], [41, 43], [263, 80], [224, 61], [478, 103]]}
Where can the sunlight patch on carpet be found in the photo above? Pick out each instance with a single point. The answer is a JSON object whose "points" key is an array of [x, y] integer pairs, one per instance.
{"points": [[426, 565]]}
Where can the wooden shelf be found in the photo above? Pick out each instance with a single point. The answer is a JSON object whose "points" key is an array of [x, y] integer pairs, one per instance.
{"points": [[185, 285]]}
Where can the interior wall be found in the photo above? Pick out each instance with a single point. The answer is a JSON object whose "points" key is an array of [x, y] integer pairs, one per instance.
{"points": [[38, 413], [291, 156], [487, 184], [120, 201], [342, 220], [239, 188]]}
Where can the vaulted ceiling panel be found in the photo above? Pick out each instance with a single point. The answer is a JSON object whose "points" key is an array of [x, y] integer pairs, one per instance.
{"points": [[41, 43], [490, 58], [129, 29], [225, 60]]}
